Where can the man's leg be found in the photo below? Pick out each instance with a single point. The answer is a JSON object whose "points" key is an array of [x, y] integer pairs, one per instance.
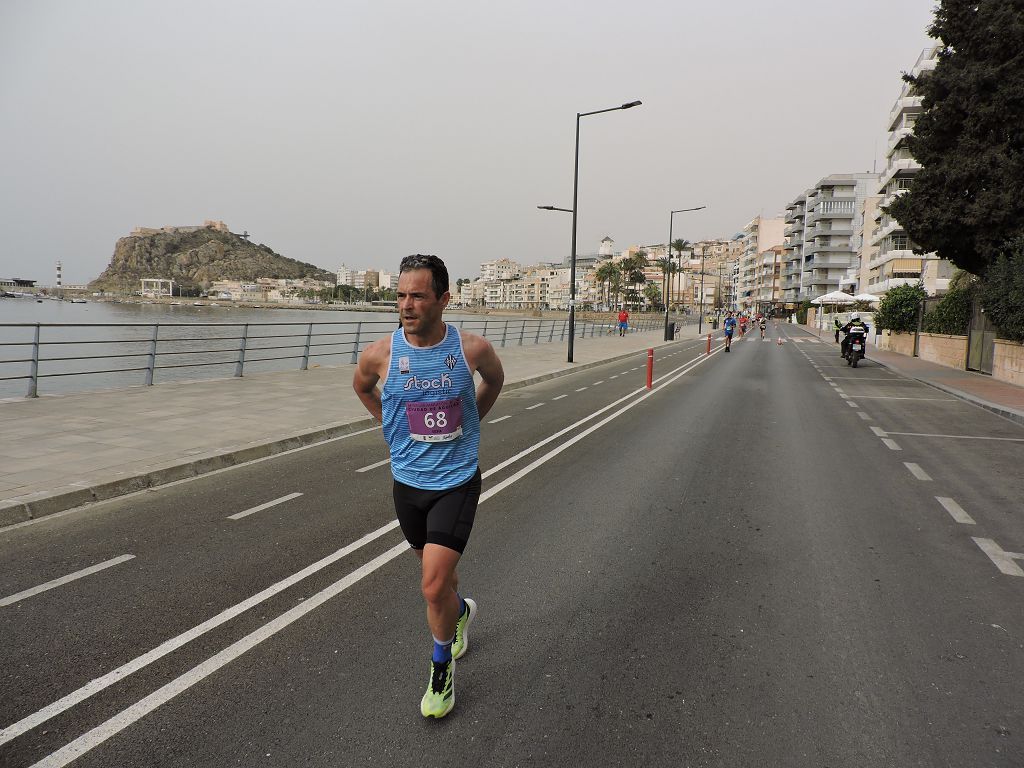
{"points": [[440, 583]]}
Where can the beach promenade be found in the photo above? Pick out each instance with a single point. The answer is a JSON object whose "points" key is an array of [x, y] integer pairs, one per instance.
{"points": [[62, 451]]}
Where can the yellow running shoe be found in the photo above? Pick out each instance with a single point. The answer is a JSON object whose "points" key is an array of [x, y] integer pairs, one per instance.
{"points": [[440, 696], [461, 643]]}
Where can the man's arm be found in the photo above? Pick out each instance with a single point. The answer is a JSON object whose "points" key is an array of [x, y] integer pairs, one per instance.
{"points": [[367, 374], [484, 360]]}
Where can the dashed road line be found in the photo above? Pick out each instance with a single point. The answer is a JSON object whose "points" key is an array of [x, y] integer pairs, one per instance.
{"points": [[879, 432], [581, 389], [864, 416], [916, 471], [892, 445], [502, 418], [1003, 560], [538, 405], [19, 596], [283, 499], [955, 510], [559, 397], [961, 437]]}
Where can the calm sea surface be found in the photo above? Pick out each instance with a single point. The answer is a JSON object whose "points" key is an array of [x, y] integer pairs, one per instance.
{"points": [[193, 342]]}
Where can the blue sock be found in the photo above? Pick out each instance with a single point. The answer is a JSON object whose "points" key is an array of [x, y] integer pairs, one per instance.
{"points": [[442, 650], [462, 604]]}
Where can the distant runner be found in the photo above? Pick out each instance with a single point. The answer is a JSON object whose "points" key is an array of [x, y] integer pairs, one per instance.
{"points": [[623, 322], [431, 414], [730, 328]]}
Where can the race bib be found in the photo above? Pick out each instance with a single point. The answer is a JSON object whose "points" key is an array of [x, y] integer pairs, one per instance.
{"points": [[435, 422]]}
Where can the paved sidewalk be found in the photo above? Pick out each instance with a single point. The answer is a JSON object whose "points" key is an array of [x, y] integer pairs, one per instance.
{"points": [[62, 451], [1000, 397]]}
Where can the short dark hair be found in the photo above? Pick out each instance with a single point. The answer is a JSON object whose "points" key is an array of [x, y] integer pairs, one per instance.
{"points": [[438, 271]]}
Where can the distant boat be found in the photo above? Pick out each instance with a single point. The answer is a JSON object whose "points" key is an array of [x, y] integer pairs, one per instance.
{"points": [[198, 304], [79, 301]]}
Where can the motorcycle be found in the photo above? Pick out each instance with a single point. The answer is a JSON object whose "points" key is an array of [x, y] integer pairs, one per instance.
{"points": [[855, 345]]}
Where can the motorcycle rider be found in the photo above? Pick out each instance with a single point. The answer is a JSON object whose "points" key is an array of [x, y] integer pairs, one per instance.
{"points": [[855, 322]]}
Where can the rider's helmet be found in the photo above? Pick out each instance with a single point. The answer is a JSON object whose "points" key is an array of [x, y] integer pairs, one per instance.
{"points": [[855, 316]]}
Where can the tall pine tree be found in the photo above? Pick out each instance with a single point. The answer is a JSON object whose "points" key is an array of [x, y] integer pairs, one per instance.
{"points": [[967, 200]]}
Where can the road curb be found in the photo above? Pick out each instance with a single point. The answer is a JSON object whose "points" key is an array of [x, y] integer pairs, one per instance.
{"points": [[39, 505]]}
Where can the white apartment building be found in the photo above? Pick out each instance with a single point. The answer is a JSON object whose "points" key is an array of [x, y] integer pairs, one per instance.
{"points": [[500, 269], [894, 261], [823, 240], [759, 235]]}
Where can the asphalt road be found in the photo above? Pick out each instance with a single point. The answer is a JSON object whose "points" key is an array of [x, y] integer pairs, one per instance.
{"points": [[770, 559]]}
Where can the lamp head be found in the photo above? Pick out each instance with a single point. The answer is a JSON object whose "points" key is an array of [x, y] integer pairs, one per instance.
{"points": [[631, 104]]}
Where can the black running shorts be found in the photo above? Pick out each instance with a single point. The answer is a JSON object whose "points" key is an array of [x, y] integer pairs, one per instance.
{"points": [[438, 517]]}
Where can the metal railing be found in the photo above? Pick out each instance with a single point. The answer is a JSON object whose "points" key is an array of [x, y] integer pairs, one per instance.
{"points": [[68, 349]]}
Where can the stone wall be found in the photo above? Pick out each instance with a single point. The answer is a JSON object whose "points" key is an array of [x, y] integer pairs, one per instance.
{"points": [[950, 351], [1008, 362], [902, 343]]}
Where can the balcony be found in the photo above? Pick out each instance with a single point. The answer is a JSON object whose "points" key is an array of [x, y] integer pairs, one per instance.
{"points": [[903, 104], [878, 235], [895, 167]]}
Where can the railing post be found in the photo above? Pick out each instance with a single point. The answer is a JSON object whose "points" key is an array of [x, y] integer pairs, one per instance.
{"points": [[565, 327], [540, 324], [551, 334], [522, 330], [305, 354], [355, 347], [484, 334], [504, 333], [240, 365], [33, 382], [151, 366]]}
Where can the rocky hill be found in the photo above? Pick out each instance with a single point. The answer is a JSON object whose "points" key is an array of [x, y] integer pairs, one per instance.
{"points": [[194, 257]]}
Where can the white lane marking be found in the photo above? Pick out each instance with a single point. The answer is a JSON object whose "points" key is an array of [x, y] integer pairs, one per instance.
{"points": [[916, 471], [892, 445], [269, 504], [559, 397], [864, 416], [530, 408], [625, 372], [12, 599], [683, 370], [1003, 560], [162, 695], [169, 646], [888, 378], [887, 397], [581, 389], [163, 486], [827, 378], [879, 432], [852, 404], [843, 395], [961, 437], [831, 384], [376, 464], [502, 418], [597, 382], [617, 375], [955, 510]]}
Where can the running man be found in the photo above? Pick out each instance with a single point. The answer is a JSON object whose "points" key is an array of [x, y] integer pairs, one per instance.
{"points": [[762, 323], [623, 322], [431, 414], [730, 328]]}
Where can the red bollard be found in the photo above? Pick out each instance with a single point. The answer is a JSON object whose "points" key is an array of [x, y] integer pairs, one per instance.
{"points": [[650, 368], [709, 344]]}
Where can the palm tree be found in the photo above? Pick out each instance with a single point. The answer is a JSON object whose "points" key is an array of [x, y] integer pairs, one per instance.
{"points": [[668, 269], [679, 245], [607, 274], [632, 270], [653, 295]]}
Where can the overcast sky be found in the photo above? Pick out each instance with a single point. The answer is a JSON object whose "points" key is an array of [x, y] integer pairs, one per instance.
{"points": [[359, 131]]}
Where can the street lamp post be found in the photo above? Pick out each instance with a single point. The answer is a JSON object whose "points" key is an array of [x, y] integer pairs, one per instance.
{"points": [[575, 201], [668, 254], [700, 315]]}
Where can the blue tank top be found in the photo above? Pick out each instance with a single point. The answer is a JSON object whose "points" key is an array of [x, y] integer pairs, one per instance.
{"points": [[431, 423]]}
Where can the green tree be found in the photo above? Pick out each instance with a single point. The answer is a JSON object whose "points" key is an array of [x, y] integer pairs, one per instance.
{"points": [[898, 309], [632, 273], [968, 200], [668, 268], [1002, 291], [653, 295], [608, 274], [952, 314], [679, 245]]}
